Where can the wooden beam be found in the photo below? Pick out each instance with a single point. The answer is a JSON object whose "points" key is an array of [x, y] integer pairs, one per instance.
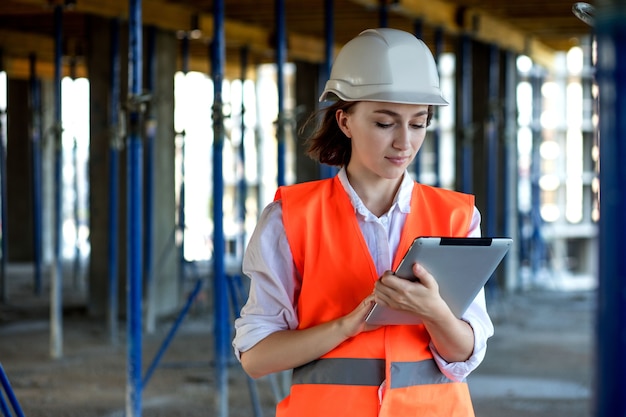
{"points": [[174, 17], [19, 68], [490, 29], [22, 44]]}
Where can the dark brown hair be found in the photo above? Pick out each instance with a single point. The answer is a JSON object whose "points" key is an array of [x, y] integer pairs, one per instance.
{"points": [[327, 144]]}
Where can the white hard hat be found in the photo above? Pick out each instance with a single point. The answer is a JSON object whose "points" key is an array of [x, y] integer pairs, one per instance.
{"points": [[388, 65]]}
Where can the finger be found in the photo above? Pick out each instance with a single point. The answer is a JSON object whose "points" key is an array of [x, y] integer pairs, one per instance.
{"points": [[424, 276], [368, 301]]}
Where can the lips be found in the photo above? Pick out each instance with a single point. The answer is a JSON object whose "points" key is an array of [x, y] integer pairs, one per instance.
{"points": [[398, 160]]}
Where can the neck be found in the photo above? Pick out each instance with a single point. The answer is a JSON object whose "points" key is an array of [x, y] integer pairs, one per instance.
{"points": [[377, 194]]}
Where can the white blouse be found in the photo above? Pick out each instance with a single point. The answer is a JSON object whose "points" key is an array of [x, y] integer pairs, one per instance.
{"points": [[275, 280]]}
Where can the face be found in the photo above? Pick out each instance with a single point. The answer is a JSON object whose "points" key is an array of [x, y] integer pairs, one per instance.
{"points": [[385, 137]]}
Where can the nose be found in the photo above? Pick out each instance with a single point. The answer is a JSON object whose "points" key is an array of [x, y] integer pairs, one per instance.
{"points": [[402, 139]]}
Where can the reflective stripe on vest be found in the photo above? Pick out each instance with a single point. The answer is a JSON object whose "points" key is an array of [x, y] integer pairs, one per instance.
{"points": [[341, 371], [368, 372]]}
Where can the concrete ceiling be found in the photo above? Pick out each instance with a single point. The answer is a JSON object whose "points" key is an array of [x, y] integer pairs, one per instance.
{"points": [[537, 28]]}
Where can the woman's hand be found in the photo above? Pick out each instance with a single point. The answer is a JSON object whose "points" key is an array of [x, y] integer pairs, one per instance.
{"points": [[287, 349], [420, 296], [354, 323], [453, 338]]}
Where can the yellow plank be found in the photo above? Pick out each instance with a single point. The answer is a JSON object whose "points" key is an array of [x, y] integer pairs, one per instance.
{"points": [[490, 29]]}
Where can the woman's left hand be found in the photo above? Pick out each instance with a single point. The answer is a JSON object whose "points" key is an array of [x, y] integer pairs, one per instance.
{"points": [[420, 296], [452, 337]]}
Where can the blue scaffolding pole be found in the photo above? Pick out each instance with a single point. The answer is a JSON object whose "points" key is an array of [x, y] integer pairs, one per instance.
{"points": [[115, 145], [418, 27], [281, 56], [8, 390], [537, 250], [383, 14], [510, 177], [492, 148], [327, 171], [436, 132], [36, 135], [56, 293], [181, 191], [220, 289], [76, 272], [134, 213], [467, 146], [4, 225], [611, 317], [151, 127], [242, 186]]}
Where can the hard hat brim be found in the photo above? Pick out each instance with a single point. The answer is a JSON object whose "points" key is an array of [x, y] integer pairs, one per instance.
{"points": [[388, 97]]}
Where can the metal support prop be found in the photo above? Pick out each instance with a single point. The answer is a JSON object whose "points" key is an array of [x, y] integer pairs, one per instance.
{"points": [[134, 213], [76, 271], [492, 152], [383, 14], [536, 249], [510, 176], [170, 335], [611, 317], [4, 224], [237, 297], [436, 133], [115, 145], [151, 127], [467, 122], [56, 293], [492, 140], [36, 135], [181, 191], [220, 291], [281, 53], [242, 186], [418, 27], [327, 171], [6, 385]]}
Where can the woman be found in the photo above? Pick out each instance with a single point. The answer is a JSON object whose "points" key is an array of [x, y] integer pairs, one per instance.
{"points": [[322, 253]]}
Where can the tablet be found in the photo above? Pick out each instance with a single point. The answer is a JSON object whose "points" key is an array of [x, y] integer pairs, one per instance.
{"points": [[461, 266]]}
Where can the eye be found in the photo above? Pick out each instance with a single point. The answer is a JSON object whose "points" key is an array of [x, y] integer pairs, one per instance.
{"points": [[418, 125], [383, 125]]}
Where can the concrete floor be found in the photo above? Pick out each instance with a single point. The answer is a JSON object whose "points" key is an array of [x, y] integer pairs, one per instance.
{"points": [[539, 362]]}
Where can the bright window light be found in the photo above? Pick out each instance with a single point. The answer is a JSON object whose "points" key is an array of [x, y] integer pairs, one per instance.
{"points": [[575, 60], [574, 104], [549, 182], [549, 149], [550, 212], [524, 64], [574, 182], [524, 103], [3, 90]]}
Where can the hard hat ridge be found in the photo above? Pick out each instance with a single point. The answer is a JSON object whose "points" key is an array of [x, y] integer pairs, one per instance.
{"points": [[387, 65]]}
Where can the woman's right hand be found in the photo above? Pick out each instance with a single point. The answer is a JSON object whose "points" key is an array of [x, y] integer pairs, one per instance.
{"points": [[354, 322], [287, 349]]}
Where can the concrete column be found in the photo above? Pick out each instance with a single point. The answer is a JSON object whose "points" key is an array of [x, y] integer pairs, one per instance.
{"points": [[165, 277], [165, 255], [99, 95], [20, 174], [307, 77]]}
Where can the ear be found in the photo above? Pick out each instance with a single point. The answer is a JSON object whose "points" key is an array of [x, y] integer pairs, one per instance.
{"points": [[342, 121]]}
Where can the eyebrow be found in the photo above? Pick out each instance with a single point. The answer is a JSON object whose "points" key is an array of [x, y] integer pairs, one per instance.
{"points": [[393, 113]]}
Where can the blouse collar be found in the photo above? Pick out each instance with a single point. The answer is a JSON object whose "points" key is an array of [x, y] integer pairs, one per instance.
{"points": [[402, 200]]}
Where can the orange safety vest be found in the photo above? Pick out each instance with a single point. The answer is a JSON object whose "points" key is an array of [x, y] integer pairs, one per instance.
{"points": [[338, 272]]}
